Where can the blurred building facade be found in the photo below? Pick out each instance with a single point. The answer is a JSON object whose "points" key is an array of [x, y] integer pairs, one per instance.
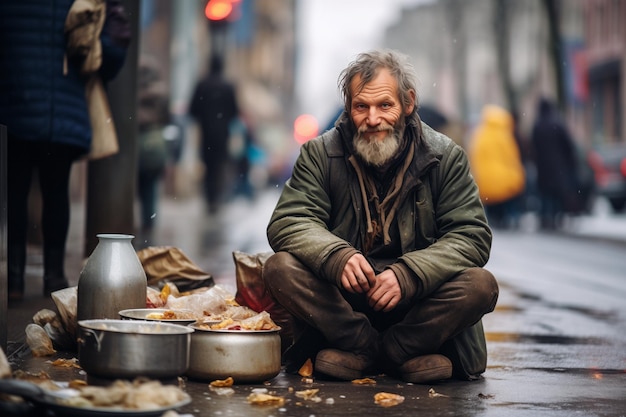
{"points": [[453, 45], [605, 55]]}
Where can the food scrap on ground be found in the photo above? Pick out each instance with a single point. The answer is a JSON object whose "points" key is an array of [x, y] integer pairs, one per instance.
{"points": [[135, 395], [364, 381], [228, 382], [432, 394], [306, 369], [66, 363], [77, 383], [30, 376], [387, 399], [259, 398], [222, 390], [309, 395]]}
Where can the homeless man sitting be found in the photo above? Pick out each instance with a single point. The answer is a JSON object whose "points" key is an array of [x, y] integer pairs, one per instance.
{"points": [[380, 240]]}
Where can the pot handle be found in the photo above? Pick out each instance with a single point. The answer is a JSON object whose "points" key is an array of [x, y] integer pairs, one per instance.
{"points": [[96, 336]]}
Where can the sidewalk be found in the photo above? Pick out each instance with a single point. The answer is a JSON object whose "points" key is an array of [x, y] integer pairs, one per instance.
{"points": [[505, 391]]}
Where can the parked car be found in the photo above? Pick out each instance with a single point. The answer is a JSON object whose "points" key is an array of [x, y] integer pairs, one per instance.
{"points": [[609, 168]]}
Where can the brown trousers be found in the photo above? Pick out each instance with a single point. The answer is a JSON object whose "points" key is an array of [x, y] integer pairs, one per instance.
{"points": [[448, 321]]}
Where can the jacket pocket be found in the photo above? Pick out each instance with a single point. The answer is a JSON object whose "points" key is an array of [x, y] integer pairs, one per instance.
{"points": [[424, 218]]}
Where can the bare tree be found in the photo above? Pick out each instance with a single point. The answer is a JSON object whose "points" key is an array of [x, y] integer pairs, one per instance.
{"points": [[555, 47], [453, 10], [501, 29]]}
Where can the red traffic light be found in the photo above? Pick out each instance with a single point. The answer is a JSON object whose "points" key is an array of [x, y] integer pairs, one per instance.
{"points": [[219, 9]]}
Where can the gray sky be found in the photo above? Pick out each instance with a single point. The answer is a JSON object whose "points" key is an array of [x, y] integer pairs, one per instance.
{"points": [[331, 33]]}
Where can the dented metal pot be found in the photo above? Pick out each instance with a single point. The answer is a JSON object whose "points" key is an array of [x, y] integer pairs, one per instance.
{"points": [[245, 355], [130, 348]]}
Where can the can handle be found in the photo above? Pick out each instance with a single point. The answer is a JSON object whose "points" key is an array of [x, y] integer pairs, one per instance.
{"points": [[97, 336]]}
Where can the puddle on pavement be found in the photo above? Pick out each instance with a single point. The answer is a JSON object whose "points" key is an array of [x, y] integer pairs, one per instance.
{"points": [[604, 315], [507, 308], [544, 339]]}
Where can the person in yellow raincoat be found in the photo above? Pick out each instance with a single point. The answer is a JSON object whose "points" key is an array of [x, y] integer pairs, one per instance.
{"points": [[496, 164]]}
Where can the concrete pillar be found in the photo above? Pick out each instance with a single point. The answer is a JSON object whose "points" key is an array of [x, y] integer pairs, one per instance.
{"points": [[111, 181]]}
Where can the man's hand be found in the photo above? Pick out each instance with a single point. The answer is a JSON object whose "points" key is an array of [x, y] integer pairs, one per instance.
{"points": [[358, 275], [385, 294]]}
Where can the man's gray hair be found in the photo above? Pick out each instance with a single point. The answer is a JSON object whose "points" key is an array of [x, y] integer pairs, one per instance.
{"points": [[367, 65]]}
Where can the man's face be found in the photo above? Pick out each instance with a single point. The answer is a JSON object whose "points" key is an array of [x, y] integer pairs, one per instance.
{"points": [[378, 116]]}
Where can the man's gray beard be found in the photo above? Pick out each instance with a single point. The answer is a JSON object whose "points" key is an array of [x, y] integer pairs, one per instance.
{"points": [[377, 153]]}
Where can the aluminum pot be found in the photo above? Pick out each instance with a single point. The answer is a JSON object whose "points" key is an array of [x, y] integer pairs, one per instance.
{"points": [[245, 355], [110, 348]]}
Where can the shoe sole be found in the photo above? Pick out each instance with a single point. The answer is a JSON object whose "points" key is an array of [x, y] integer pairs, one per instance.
{"points": [[336, 371]]}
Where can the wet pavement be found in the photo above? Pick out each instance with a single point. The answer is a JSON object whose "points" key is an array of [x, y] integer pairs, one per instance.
{"points": [[549, 355]]}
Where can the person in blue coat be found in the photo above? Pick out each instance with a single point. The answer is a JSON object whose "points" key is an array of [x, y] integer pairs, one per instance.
{"points": [[43, 106]]}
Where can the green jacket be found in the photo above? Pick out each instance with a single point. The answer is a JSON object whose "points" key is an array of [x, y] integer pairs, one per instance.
{"points": [[319, 218]]}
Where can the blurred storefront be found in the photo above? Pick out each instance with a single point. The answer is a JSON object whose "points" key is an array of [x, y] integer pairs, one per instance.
{"points": [[463, 69], [605, 56]]}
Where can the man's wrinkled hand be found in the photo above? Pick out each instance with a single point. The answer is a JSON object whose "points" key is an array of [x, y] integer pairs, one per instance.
{"points": [[358, 275], [386, 293]]}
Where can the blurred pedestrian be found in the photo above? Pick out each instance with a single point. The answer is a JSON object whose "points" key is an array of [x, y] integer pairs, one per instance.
{"points": [[242, 144], [43, 104], [497, 167], [214, 106], [152, 116], [556, 160]]}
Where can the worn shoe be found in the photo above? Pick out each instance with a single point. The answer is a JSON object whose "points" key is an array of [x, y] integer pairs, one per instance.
{"points": [[342, 365], [426, 368]]}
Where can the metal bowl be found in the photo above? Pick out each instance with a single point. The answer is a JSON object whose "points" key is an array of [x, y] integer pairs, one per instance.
{"points": [[130, 348], [245, 355], [146, 313]]}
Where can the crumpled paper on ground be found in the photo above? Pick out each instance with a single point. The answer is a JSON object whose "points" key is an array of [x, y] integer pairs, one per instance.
{"points": [[65, 302], [38, 340], [164, 264]]}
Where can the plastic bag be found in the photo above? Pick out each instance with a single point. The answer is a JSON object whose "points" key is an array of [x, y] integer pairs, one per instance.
{"points": [[66, 302], [251, 292], [51, 323], [38, 340], [214, 301]]}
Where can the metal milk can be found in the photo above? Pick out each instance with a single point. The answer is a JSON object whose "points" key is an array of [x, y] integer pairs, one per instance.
{"points": [[112, 279]]}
